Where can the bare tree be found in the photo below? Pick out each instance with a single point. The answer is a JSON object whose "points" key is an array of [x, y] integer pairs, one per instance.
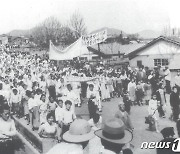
{"points": [[66, 36], [50, 29], [59, 34], [77, 24], [167, 30]]}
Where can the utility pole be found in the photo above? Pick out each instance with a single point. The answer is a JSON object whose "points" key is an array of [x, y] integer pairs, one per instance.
{"points": [[99, 51]]}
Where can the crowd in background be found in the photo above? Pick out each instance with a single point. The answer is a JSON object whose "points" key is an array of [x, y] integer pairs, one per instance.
{"points": [[46, 94]]}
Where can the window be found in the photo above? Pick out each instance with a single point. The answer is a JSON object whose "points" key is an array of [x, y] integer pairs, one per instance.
{"points": [[139, 63], [82, 58], [161, 62], [96, 57]]}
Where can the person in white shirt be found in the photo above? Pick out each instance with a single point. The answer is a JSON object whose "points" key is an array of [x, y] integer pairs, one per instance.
{"points": [[59, 112], [132, 91], [15, 102], [6, 88], [71, 95], [7, 130], [38, 94], [29, 83], [52, 105], [33, 106], [43, 109], [77, 90], [2, 92], [42, 84], [153, 111], [49, 129], [68, 116]]}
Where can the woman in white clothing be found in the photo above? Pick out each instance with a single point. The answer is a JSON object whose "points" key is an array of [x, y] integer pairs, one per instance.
{"points": [[132, 91], [153, 110], [43, 109]]}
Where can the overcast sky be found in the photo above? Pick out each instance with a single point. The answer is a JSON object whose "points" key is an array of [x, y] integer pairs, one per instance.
{"points": [[128, 15]]}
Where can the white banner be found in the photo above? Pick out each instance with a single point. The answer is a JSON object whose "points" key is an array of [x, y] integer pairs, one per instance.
{"points": [[95, 38], [74, 50], [80, 79]]}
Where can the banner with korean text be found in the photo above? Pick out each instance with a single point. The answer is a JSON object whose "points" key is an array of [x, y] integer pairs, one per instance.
{"points": [[95, 38]]}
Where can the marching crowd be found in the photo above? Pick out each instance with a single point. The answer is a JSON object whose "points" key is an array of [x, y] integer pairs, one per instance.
{"points": [[46, 95]]}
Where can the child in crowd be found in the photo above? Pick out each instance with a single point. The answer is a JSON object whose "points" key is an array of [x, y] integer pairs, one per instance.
{"points": [[160, 93], [68, 116], [127, 102], [153, 112], [132, 91], [139, 93], [52, 105], [147, 92], [15, 102], [43, 108], [25, 104], [59, 112]]}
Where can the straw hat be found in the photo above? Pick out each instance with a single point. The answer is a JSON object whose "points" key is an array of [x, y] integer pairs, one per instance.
{"points": [[79, 131], [114, 131]]}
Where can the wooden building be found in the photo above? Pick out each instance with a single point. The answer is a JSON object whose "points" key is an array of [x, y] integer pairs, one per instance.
{"points": [[160, 51]]}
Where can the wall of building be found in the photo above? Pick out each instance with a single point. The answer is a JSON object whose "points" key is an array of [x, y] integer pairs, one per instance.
{"points": [[4, 40], [160, 50], [148, 60]]}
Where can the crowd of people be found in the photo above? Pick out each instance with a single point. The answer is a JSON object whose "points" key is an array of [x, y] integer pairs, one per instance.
{"points": [[46, 95]]}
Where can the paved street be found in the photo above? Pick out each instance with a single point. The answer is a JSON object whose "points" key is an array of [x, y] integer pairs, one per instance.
{"points": [[141, 134]]}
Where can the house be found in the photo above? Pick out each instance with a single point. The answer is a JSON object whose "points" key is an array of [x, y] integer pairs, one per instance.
{"points": [[93, 55], [4, 39], [116, 53], [159, 51], [19, 41]]}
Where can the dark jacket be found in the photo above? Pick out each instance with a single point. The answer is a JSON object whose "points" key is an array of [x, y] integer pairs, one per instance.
{"points": [[174, 100], [141, 75], [169, 150]]}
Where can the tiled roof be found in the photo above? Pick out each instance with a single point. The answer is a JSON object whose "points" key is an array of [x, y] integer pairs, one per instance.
{"points": [[133, 54], [116, 48]]}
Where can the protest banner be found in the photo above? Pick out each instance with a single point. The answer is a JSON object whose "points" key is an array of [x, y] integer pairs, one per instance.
{"points": [[95, 38]]}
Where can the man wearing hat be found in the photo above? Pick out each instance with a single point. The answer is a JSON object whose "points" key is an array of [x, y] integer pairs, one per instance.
{"points": [[168, 135], [114, 136], [75, 140]]}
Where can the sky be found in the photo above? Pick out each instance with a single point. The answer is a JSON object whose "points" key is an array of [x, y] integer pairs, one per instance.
{"points": [[131, 16]]}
